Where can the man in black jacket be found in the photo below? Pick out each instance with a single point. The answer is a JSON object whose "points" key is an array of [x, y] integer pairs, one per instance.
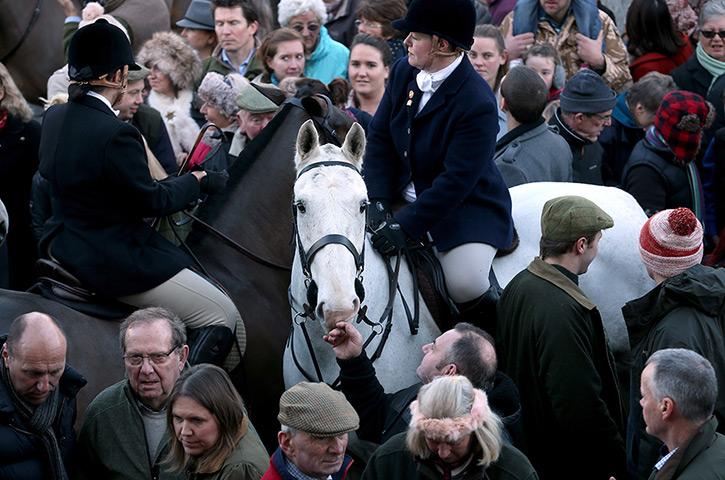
{"points": [[37, 400], [464, 350]]}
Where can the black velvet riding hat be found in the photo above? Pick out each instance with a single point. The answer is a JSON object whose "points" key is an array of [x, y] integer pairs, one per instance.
{"points": [[453, 20], [98, 49]]}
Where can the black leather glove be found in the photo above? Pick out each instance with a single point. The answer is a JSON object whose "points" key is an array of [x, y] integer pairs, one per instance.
{"points": [[213, 182], [379, 212], [389, 238]]}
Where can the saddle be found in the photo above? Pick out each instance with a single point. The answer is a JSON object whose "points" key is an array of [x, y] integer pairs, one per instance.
{"points": [[58, 284]]}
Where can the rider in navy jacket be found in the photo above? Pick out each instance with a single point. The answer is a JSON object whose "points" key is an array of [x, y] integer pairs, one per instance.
{"points": [[446, 149]]}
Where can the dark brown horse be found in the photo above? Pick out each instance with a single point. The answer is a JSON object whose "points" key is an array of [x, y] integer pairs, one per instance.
{"points": [[254, 211]]}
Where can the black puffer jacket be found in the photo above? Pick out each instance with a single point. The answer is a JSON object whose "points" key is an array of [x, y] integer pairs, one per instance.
{"points": [[685, 311], [22, 455]]}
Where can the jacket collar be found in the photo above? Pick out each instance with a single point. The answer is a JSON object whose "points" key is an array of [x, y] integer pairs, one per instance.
{"points": [[693, 446], [517, 132], [571, 137], [450, 87], [549, 273], [94, 102]]}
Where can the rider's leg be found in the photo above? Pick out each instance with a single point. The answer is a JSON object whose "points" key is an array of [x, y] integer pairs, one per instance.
{"points": [[202, 307], [466, 268]]}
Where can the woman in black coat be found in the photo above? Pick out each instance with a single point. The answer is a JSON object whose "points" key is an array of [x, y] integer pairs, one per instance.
{"points": [[432, 141]]}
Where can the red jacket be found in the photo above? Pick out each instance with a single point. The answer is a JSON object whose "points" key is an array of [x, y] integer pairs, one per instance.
{"points": [[656, 62]]}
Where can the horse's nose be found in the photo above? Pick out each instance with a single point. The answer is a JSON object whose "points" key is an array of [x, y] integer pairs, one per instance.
{"points": [[356, 304], [320, 310]]}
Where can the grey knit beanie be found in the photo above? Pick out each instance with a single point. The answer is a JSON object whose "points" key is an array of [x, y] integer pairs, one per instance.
{"points": [[586, 92]]}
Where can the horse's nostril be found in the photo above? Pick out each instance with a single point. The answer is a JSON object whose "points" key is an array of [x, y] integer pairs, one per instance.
{"points": [[356, 303], [320, 310]]}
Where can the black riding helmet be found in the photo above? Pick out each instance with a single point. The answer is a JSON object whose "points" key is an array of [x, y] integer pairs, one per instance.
{"points": [[98, 49], [453, 20]]}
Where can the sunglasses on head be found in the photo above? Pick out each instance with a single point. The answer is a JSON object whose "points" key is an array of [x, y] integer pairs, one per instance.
{"points": [[311, 27], [712, 33]]}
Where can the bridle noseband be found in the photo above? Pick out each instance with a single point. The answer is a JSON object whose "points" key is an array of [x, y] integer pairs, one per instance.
{"points": [[306, 257]]}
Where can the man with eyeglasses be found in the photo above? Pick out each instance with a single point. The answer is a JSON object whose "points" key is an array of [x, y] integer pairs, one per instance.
{"points": [[235, 23], [124, 433], [37, 400], [585, 108]]}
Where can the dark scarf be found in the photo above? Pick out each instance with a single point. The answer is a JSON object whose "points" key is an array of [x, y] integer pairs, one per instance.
{"points": [[39, 421]]}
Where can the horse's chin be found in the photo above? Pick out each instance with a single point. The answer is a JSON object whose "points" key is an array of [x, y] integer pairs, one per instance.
{"points": [[333, 318]]}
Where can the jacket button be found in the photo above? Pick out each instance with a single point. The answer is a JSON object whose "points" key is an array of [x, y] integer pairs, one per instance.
{"points": [[408, 130], [405, 154]]}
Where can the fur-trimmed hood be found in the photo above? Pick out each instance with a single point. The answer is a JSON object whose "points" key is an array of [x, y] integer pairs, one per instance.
{"points": [[173, 56]]}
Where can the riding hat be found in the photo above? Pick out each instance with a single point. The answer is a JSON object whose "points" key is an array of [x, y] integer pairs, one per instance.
{"points": [[453, 20], [569, 218], [98, 49], [198, 16], [317, 410]]}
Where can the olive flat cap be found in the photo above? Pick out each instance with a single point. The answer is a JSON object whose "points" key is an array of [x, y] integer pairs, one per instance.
{"points": [[136, 75], [317, 410], [253, 101], [568, 218]]}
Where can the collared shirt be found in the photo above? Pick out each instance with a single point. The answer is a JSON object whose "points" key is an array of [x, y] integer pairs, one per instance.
{"points": [[104, 100], [552, 22], [428, 82], [243, 67], [665, 456], [296, 473]]}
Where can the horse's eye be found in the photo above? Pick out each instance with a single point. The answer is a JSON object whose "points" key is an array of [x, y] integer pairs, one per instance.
{"points": [[364, 206], [300, 206]]}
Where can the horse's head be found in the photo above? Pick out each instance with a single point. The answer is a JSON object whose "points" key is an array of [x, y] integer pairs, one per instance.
{"points": [[330, 205]]}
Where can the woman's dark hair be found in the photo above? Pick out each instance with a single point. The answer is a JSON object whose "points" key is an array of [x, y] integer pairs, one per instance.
{"points": [[377, 43], [269, 47], [210, 387], [383, 12], [650, 29]]}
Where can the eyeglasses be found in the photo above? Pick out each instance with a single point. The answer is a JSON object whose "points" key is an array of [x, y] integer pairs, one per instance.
{"points": [[603, 118], [311, 27], [154, 358], [712, 33], [359, 23]]}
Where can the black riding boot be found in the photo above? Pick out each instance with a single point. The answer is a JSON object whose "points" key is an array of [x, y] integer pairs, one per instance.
{"points": [[481, 311], [209, 344]]}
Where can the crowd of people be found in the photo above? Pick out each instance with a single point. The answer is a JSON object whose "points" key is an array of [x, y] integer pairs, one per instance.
{"points": [[460, 100]]}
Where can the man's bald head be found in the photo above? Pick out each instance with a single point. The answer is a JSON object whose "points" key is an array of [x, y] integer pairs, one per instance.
{"points": [[34, 354]]}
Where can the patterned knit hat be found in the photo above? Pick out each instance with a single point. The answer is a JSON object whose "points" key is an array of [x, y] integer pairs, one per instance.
{"points": [[671, 242], [680, 120], [317, 409]]}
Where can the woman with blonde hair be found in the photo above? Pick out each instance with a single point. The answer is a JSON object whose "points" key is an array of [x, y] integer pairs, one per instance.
{"points": [[19, 142], [452, 434], [211, 436]]}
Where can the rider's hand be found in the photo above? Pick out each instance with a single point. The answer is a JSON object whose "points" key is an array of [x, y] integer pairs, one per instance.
{"points": [[213, 182], [390, 238], [346, 341], [378, 212]]}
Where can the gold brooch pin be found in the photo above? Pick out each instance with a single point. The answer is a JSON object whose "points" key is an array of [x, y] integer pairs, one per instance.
{"points": [[409, 103], [410, 94]]}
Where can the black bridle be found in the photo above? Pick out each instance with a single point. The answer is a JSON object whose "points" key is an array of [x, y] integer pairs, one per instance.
{"points": [[26, 34], [306, 257]]}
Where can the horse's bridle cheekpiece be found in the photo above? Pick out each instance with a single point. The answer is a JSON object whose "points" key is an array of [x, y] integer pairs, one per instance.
{"points": [[331, 238]]}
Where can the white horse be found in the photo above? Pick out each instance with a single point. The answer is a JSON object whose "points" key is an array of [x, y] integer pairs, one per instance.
{"points": [[331, 199]]}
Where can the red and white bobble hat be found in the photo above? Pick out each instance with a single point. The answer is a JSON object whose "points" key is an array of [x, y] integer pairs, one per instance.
{"points": [[671, 242]]}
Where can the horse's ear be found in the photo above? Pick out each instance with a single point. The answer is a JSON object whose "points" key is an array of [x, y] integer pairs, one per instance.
{"points": [[307, 143], [354, 146]]}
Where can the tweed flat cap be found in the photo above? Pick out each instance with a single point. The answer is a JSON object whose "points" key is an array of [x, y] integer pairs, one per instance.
{"points": [[568, 218], [317, 410], [254, 101], [136, 75]]}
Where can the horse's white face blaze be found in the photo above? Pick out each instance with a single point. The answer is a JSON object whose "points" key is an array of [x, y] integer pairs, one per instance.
{"points": [[331, 200]]}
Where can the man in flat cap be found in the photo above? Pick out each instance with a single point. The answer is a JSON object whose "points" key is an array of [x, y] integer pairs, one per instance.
{"points": [[315, 421], [552, 343], [256, 111]]}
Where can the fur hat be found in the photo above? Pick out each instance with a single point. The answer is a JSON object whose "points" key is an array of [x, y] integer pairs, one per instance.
{"points": [[173, 56], [586, 92], [671, 242], [680, 120], [221, 92], [317, 409], [451, 429]]}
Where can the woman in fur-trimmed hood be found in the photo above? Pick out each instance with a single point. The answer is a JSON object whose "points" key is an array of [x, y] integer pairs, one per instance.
{"points": [[175, 67]]}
